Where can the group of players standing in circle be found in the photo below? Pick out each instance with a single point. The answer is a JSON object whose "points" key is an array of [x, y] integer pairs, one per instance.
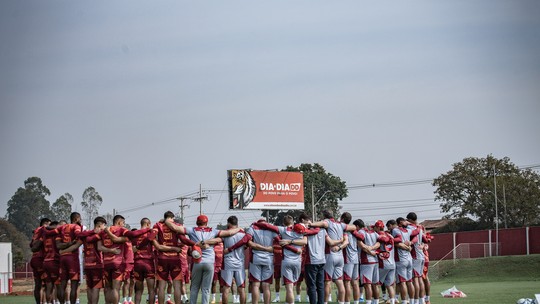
{"points": [[352, 256]]}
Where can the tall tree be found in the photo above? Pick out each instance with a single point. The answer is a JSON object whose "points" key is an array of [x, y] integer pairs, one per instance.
{"points": [[468, 190], [61, 208], [328, 190], [28, 205], [90, 205], [19, 241]]}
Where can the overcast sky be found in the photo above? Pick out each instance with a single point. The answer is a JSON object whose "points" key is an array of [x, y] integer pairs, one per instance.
{"points": [[145, 101]]}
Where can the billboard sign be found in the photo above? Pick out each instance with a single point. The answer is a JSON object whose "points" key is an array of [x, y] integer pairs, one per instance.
{"points": [[265, 190]]}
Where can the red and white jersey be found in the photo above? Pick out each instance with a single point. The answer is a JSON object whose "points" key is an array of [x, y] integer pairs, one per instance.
{"points": [[38, 236], [386, 251], [111, 258], [369, 237], [68, 234]]}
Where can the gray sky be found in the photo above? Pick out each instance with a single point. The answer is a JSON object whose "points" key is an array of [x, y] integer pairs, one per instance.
{"points": [[145, 101]]}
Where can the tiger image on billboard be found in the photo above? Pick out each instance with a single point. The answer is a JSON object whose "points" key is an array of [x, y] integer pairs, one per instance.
{"points": [[243, 188]]}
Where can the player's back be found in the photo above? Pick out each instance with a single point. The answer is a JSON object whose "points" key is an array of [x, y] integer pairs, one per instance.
{"points": [[263, 238], [235, 258]]}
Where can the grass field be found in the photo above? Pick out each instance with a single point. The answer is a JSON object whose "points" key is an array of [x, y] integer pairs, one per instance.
{"points": [[496, 280]]}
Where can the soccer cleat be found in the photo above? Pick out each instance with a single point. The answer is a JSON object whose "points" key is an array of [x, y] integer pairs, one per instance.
{"points": [[298, 298], [307, 298], [276, 300], [213, 301]]}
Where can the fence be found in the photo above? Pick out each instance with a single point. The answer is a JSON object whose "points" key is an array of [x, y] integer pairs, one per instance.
{"points": [[514, 241]]}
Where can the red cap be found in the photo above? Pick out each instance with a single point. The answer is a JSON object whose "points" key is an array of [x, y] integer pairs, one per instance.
{"points": [[299, 228], [202, 219], [379, 224]]}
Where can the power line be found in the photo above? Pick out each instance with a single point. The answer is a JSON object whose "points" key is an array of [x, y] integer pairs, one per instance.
{"points": [[390, 207], [389, 202], [392, 184]]}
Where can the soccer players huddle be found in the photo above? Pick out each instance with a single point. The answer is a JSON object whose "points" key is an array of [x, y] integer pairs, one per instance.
{"points": [[352, 256]]}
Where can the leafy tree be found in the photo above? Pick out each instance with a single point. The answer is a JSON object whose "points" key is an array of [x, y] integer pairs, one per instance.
{"points": [[328, 190], [468, 190], [21, 251], [28, 205], [61, 208], [90, 205]]}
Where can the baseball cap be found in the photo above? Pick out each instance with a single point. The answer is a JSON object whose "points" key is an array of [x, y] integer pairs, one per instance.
{"points": [[379, 224], [299, 228], [202, 219]]}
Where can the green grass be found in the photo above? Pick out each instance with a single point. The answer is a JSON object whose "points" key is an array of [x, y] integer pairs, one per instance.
{"points": [[488, 280]]}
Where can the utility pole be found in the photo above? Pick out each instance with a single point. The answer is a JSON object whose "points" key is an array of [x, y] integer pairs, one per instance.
{"points": [[312, 203], [200, 199], [182, 206], [496, 212], [504, 200]]}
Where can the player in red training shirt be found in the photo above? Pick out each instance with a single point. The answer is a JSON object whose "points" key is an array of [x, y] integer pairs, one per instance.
{"points": [[93, 260], [36, 245], [116, 264], [69, 260], [144, 268], [113, 259], [51, 260], [168, 258]]}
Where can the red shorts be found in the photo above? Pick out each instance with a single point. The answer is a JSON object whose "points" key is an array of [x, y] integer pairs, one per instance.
{"points": [[128, 271], [114, 272], [426, 269], [216, 274], [186, 275], [70, 269], [277, 270], [37, 268], [144, 269], [94, 278], [52, 268], [169, 269]]}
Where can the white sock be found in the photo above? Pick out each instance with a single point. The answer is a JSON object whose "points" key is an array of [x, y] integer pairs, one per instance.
{"points": [[277, 294], [427, 298], [356, 302], [368, 301], [376, 301], [392, 301]]}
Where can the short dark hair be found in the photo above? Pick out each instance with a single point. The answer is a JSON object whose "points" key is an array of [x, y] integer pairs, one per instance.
{"points": [[233, 220], [100, 219], [117, 217], [144, 219], [346, 217], [412, 216], [43, 221], [391, 222], [327, 214], [168, 214], [53, 223], [399, 220], [302, 217], [74, 216], [288, 220], [359, 223]]}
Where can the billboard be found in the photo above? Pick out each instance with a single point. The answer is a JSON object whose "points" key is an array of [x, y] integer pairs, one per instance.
{"points": [[265, 190]]}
